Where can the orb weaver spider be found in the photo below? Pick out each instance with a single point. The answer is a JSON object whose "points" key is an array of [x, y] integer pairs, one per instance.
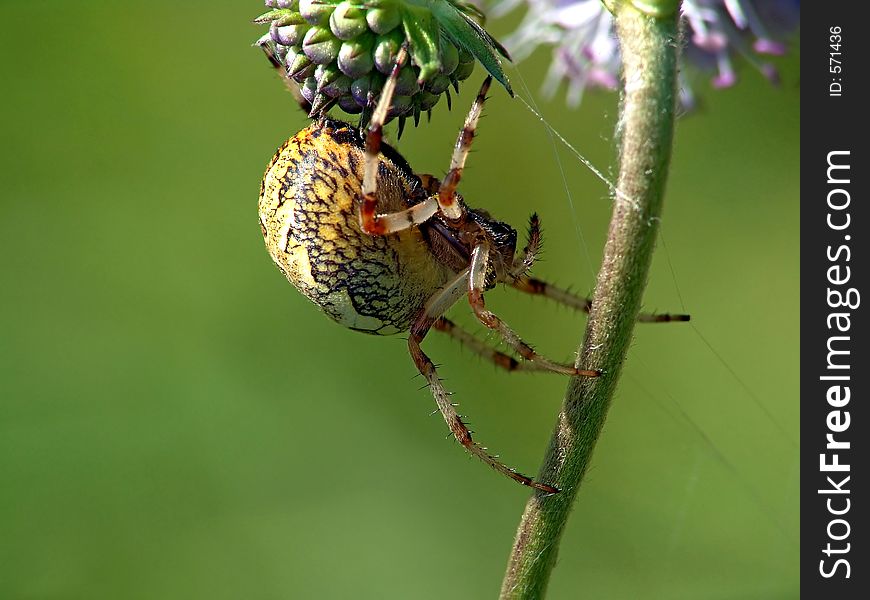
{"points": [[383, 250]]}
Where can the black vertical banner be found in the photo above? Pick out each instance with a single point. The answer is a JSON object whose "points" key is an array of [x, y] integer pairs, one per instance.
{"points": [[835, 562]]}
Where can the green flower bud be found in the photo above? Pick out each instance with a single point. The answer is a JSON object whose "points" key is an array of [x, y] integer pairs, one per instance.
{"points": [[321, 102], [288, 35], [406, 84], [465, 56], [438, 84], [316, 12], [355, 57], [291, 4], [299, 66], [280, 51], [360, 88], [320, 45], [326, 74], [281, 17], [449, 56], [425, 100], [463, 71], [309, 89], [348, 21], [386, 50], [338, 87], [402, 105], [349, 105], [383, 19]]}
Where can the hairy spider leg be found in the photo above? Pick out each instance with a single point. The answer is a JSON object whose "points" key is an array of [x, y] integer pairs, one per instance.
{"points": [[484, 350], [424, 364], [268, 48], [476, 286], [447, 192], [371, 222], [523, 264], [501, 359], [380, 224], [531, 285], [519, 279]]}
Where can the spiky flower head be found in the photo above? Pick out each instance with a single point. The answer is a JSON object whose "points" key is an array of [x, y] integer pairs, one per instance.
{"points": [[341, 51]]}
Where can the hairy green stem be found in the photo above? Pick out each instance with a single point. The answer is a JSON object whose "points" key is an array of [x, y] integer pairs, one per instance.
{"points": [[650, 47]]}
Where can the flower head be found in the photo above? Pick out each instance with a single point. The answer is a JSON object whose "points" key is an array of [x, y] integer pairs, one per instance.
{"points": [[585, 52], [342, 51]]}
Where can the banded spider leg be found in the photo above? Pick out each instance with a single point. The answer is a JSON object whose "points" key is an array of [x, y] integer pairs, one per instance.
{"points": [[471, 281]]}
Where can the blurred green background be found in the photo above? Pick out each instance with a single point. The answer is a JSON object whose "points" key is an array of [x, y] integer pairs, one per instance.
{"points": [[176, 421]]}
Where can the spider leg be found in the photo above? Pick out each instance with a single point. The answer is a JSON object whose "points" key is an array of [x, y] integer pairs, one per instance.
{"points": [[530, 285], [522, 265], [268, 48], [447, 191], [371, 222], [469, 340], [476, 285], [382, 224], [442, 398]]}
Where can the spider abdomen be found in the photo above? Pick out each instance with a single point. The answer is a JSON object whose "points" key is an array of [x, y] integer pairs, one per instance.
{"points": [[309, 217]]}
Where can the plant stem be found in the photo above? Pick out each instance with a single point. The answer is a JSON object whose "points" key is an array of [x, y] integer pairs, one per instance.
{"points": [[650, 47]]}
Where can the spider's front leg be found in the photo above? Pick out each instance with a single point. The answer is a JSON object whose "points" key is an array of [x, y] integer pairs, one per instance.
{"points": [[381, 224], [424, 364], [447, 192], [369, 221]]}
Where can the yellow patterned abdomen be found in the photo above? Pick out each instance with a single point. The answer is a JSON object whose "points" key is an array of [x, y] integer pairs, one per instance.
{"points": [[308, 215]]}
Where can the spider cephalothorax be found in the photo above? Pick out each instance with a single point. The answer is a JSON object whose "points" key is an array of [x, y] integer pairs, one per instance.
{"points": [[383, 250]]}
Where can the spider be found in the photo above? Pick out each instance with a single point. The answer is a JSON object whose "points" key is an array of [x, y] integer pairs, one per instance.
{"points": [[384, 250]]}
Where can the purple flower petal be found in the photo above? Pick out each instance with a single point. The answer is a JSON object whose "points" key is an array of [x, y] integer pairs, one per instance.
{"points": [[767, 46], [585, 52]]}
